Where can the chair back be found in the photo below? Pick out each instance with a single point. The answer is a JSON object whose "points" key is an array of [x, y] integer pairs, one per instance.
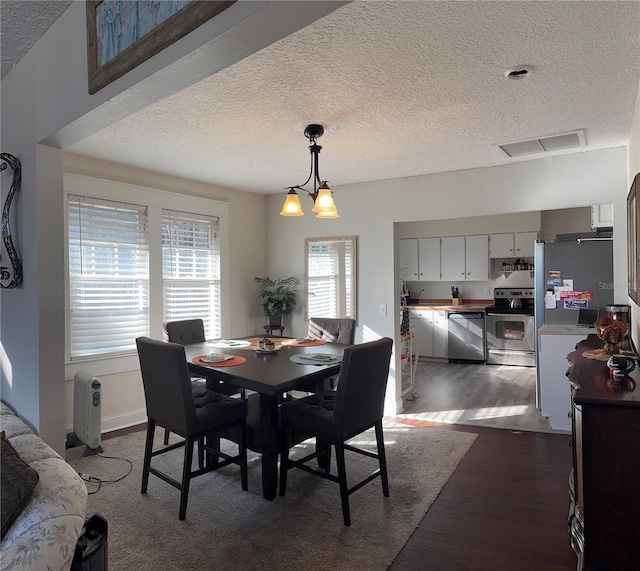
{"points": [[363, 383], [167, 385], [184, 332], [332, 330]]}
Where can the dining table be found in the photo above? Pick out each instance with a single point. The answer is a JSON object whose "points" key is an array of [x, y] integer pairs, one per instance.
{"points": [[270, 376]]}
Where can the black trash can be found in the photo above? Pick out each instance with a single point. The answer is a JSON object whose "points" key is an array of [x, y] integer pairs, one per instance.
{"points": [[91, 549]]}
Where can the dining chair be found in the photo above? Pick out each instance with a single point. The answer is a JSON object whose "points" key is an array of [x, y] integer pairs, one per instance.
{"points": [[171, 404], [186, 332], [332, 330], [334, 417]]}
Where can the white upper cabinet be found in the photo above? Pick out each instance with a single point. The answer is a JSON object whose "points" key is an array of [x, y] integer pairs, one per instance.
{"points": [[601, 216], [502, 245], [452, 258], [510, 245], [408, 254], [477, 257], [525, 243], [429, 259]]}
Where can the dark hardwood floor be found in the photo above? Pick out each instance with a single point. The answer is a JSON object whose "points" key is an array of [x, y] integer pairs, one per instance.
{"points": [[504, 508]]}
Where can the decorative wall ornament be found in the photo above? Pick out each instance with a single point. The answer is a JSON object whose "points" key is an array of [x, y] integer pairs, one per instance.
{"points": [[122, 34], [10, 277]]}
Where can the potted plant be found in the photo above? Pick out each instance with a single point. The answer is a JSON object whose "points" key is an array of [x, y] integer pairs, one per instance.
{"points": [[278, 297]]}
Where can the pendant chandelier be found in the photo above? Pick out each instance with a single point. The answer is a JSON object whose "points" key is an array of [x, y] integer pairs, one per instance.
{"points": [[322, 197]]}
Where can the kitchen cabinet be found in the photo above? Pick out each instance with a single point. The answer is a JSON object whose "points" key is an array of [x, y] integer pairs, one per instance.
{"points": [[452, 259], [430, 330], [464, 258], [477, 257], [408, 257], [525, 244], [420, 259], [601, 216], [429, 259], [513, 245]]}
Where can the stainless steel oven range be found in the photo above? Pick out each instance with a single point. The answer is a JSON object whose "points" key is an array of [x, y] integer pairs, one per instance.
{"points": [[510, 328]]}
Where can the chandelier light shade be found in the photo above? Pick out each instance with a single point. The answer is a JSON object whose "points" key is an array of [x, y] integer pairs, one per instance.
{"points": [[323, 204]]}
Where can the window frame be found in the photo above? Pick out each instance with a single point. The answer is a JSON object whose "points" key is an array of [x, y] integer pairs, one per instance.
{"points": [[156, 200], [350, 292]]}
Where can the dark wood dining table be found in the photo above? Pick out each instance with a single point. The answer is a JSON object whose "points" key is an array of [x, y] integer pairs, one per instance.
{"points": [[270, 376]]}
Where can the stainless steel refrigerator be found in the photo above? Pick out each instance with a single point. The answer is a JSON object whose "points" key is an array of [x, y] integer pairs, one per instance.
{"points": [[588, 262]]}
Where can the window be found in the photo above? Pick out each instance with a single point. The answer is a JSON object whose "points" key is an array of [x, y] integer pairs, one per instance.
{"points": [[137, 257], [330, 277], [108, 275], [191, 269]]}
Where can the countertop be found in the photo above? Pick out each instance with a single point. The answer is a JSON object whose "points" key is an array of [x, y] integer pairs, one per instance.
{"points": [[446, 305], [552, 329]]}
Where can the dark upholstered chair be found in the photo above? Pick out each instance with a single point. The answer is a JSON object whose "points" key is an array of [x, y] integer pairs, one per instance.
{"points": [[172, 404], [334, 417], [332, 330], [190, 331]]}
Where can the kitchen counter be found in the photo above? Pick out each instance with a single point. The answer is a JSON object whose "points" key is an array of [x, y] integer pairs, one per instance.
{"points": [[446, 305], [554, 329]]}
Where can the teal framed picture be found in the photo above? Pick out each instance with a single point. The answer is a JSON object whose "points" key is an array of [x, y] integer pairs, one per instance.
{"points": [[122, 34]]}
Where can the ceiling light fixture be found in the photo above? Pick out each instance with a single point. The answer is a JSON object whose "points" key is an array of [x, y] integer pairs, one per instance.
{"points": [[322, 197]]}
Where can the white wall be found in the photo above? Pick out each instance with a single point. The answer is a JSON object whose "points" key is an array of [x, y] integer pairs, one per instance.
{"points": [[371, 210], [45, 98], [634, 168]]}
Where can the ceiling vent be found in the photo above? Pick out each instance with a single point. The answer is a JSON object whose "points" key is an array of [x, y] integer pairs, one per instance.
{"points": [[545, 144]]}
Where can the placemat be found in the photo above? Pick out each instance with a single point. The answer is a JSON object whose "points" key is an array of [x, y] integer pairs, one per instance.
{"points": [[303, 359], [230, 363], [313, 343]]}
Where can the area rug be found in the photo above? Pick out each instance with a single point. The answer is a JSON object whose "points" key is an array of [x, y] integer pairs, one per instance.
{"points": [[227, 528]]}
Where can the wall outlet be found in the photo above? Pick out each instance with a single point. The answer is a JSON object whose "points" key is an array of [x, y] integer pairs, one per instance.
{"points": [[487, 291], [382, 309]]}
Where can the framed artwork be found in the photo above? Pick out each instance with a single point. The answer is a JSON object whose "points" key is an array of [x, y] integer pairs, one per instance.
{"points": [[633, 239], [122, 34]]}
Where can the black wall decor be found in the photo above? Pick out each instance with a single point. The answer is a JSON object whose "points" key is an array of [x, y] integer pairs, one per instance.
{"points": [[10, 277]]}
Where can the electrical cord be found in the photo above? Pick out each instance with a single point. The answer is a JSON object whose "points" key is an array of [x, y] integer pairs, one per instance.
{"points": [[89, 479]]}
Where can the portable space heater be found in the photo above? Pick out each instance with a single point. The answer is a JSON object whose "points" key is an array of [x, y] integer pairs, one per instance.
{"points": [[87, 409]]}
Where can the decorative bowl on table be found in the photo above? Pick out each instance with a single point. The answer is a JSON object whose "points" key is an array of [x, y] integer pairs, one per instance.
{"points": [[266, 344], [612, 332]]}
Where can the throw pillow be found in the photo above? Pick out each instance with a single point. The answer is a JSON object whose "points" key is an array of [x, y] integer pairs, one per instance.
{"points": [[18, 481]]}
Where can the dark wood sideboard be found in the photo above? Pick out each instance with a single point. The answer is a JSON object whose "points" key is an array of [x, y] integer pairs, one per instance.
{"points": [[604, 485]]}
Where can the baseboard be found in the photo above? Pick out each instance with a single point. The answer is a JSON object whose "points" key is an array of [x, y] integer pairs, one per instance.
{"points": [[120, 421]]}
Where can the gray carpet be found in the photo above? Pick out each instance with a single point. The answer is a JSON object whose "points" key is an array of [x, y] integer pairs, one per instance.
{"points": [[227, 528]]}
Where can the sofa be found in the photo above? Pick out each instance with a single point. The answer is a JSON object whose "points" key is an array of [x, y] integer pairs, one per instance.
{"points": [[50, 517]]}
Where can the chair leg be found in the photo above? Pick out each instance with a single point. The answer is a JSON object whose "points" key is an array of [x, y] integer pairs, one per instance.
{"points": [[342, 477], [186, 476], [201, 452], [382, 458], [148, 447], [166, 436], [324, 455], [284, 459], [244, 476]]}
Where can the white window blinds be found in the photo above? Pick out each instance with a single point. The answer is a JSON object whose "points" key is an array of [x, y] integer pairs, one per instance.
{"points": [[191, 269], [108, 275], [330, 275]]}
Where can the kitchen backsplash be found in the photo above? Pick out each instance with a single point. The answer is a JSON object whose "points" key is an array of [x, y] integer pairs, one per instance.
{"points": [[470, 290]]}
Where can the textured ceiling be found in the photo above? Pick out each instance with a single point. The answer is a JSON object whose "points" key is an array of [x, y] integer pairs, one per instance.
{"points": [[402, 88], [22, 23]]}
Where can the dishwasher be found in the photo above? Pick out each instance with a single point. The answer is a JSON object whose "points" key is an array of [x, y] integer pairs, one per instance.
{"points": [[465, 335]]}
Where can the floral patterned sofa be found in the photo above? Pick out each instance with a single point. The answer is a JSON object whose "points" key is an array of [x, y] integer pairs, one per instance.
{"points": [[44, 534]]}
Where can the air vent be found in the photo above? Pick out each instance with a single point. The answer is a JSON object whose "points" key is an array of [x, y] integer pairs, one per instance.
{"points": [[545, 144]]}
